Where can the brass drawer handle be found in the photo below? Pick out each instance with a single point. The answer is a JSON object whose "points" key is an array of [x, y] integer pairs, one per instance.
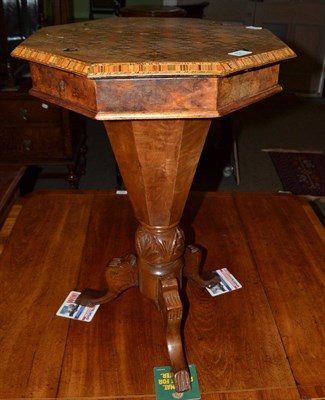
{"points": [[27, 144], [23, 112]]}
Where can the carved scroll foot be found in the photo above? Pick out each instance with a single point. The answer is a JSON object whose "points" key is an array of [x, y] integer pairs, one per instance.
{"points": [[121, 274], [172, 308], [193, 260]]}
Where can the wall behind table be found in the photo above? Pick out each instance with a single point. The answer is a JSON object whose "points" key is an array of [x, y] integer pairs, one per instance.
{"points": [[81, 7]]}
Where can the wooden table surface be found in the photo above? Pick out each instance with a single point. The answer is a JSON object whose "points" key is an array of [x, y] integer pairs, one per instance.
{"points": [[264, 341], [162, 46]]}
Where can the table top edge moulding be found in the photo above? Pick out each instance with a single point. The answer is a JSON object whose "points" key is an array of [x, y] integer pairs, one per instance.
{"points": [[156, 83]]}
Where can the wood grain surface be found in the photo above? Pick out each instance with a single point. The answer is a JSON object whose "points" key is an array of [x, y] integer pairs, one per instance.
{"points": [[153, 68], [147, 46], [264, 341], [10, 176]]}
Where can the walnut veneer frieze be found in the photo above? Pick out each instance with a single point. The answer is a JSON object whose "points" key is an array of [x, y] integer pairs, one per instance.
{"points": [[151, 98]]}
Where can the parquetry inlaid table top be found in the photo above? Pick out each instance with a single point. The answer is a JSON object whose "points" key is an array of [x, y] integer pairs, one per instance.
{"points": [[153, 47]]}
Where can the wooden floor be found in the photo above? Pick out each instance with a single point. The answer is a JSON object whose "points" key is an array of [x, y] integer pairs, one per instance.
{"points": [[10, 176], [262, 342]]}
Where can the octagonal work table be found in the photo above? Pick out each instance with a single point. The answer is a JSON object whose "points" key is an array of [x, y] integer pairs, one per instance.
{"points": [[156, 83]]}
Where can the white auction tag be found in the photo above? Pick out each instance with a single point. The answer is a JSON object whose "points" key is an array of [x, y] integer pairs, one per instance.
{"points": [[240, 53], [255, 28], [70, 309]]}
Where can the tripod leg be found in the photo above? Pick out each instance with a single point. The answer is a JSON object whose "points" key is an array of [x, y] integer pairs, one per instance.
{"points": [[172, 309], [121, 274]]}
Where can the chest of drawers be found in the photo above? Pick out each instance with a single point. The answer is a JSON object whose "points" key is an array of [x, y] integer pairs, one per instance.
{"points": [[34, 132]]}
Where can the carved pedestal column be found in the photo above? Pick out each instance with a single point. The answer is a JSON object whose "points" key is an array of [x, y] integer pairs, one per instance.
{"points": [[160, 255], [157, 160]]}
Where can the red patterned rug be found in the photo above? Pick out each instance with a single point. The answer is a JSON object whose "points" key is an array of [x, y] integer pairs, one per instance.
{"points": [[301, 173]]}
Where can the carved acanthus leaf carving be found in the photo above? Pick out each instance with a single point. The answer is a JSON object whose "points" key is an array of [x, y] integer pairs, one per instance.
{"points": [[160, 246]]}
